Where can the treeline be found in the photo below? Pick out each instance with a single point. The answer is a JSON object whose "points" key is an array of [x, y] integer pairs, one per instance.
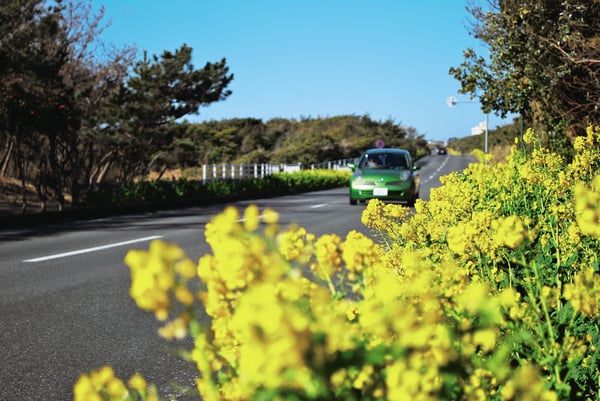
{"points": [[76, 113], [500, 137], [305, 141]]}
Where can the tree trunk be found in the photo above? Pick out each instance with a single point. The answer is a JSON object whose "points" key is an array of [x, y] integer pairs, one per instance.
{"points": [[23, 187], [75, 175], [102, 173], [162, 172], [97, 176], [8, 149]]}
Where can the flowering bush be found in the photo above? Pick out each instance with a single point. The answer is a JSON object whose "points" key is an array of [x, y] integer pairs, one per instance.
{"points": [[488, 291]]}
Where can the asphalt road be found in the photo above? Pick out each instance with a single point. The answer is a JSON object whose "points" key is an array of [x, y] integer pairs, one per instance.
{"points": [[64, 302]]}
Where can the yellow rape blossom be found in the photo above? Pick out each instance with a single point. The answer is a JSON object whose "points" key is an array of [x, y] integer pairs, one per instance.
{"points": [[411, 380], [184, 295], [103, 385], [438, 288], [251, 218], [359, 252], [458, 241], [328, 258], [527, 385], [585, 163], [153, 275], [338, 377], [273, 336], [384, 218], [364, 377], [137, 382], [584, 293], [186, 268], [529, 136], [177, 328], [509, 231], [486, 339], [296, 244], [587, 207]]}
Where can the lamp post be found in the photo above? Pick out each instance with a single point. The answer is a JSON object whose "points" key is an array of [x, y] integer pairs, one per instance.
{"points": [[451, 102]]}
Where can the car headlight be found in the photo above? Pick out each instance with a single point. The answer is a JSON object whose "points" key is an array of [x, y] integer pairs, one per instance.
{"points": [[405, 175], [357, 174]]}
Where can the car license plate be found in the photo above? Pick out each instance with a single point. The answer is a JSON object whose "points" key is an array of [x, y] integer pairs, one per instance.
{"points": [[380, 191]]}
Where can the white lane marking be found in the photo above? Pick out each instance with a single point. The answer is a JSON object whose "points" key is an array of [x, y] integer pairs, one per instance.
{"points": [[436, 172], [94, 249], [318, 205]]}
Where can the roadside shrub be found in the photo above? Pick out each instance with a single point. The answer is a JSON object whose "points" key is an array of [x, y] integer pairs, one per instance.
{"points": [[489, 291], [183, 190]]}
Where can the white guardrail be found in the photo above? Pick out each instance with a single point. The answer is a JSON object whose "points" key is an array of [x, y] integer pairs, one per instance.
{"points": [[208, 172]]}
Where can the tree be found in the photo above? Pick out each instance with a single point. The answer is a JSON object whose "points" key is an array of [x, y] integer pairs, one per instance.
{"points": [[33, 94], [543, 63], [53, 88], [160, 91], [93, 71]]}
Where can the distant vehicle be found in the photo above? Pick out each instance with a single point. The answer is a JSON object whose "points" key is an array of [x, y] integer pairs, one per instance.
{"points": [[440, 150], [387, 174]]}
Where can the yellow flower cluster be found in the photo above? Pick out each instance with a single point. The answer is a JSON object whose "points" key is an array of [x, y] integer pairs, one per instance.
{"points": [[159, 276], [586, 162], [103, 385], [359, 254], [488, 291], [587, 207], [266, 314], [277, 329], [468, 238], [328, 258], [529, 137], [383, 217], [584, 293], [296, 244], [510, 231], [521, 223], [527, 386]]}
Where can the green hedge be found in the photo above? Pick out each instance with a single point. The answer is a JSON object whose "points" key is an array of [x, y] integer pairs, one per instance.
{"points": [[184, 191]]}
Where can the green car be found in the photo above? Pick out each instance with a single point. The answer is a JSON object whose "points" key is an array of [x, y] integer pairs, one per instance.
{"points": [[387, 174]]}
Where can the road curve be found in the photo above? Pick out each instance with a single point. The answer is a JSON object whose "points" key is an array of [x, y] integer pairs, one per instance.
{"points": [[64, 289]]}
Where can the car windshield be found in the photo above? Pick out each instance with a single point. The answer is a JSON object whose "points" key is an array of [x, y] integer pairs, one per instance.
{"points": [[393, 161]]}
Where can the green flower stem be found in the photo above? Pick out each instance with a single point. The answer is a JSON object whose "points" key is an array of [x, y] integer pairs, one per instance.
{"points": [[550, 328]]}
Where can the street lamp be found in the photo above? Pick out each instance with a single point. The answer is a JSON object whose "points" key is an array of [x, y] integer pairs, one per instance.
{"points": [[451, 102]]}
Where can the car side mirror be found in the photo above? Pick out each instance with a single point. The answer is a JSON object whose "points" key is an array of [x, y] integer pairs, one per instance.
{"points": [[352, 166], [416, 167]]}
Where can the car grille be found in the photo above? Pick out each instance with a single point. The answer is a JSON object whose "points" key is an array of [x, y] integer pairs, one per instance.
{"points": [[364, 182]]}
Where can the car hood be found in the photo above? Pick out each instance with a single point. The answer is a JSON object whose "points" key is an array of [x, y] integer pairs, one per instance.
{"points": [[382, 173]]}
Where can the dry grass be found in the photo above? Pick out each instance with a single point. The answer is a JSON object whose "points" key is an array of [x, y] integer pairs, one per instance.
{"points": [[11, 197], [11, 194], [11, 191], [500, 153], [168, 175]]}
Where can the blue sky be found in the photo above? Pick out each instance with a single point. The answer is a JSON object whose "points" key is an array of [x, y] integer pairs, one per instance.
{"points": [[294, 59]]}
